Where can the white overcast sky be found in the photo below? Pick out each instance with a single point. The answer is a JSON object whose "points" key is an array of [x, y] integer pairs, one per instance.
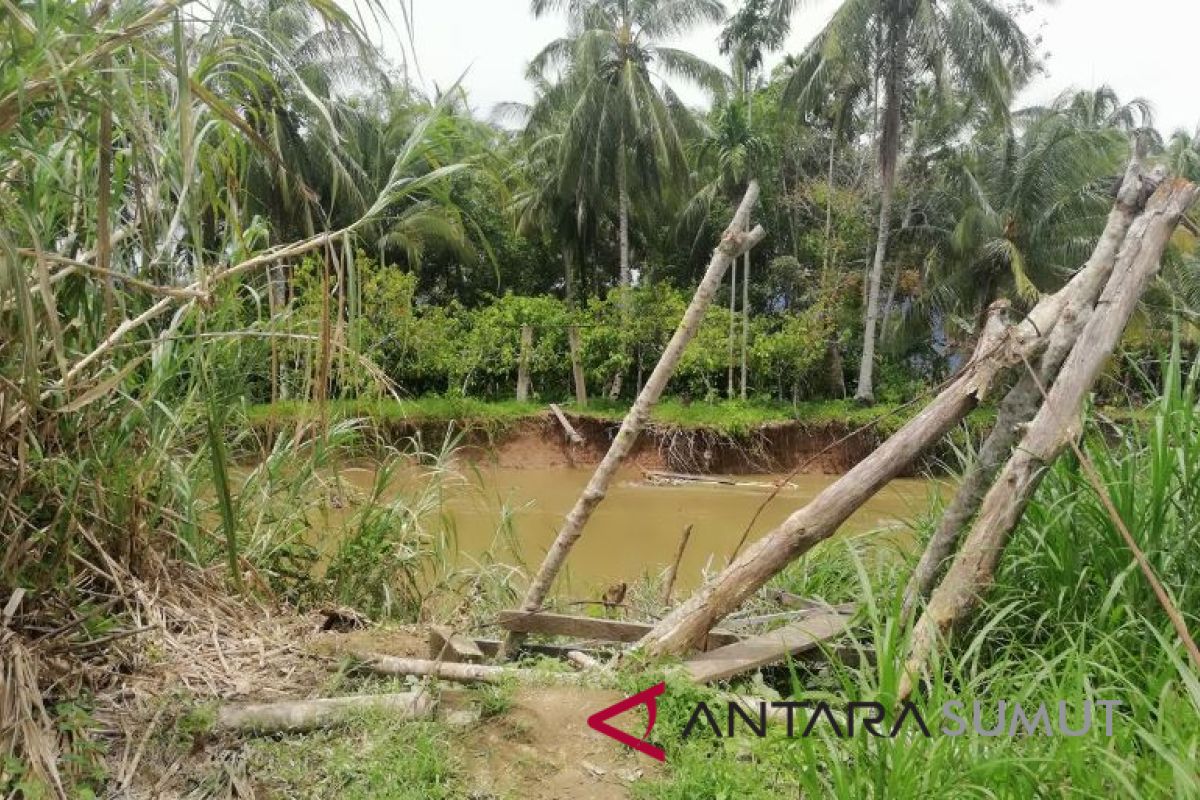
{"points": [[1147, 48]]}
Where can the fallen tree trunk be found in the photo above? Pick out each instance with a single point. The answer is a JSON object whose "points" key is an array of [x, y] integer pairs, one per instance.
{"points": [[1059, 420], [462, 673], [1000, 347], [736, 240], [1022, 401], [684, 627], [306, 715], [572, 435]]}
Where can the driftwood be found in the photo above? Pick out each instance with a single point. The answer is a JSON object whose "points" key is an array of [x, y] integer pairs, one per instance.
{"points": [[1048, 332], [461, 673], [572, 435], [305, 715], [658, 476], [736, 240]]}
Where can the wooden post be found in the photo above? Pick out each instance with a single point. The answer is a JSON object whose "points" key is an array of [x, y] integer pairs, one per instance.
{"points": [[577, 366], [523, 364], [734, 242]]}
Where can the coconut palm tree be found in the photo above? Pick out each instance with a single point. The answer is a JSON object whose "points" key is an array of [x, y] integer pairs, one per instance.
{"points": [[626, 127], [727, 155], [747, 35], [974, 44], [1017, 209], [1183, 154]]}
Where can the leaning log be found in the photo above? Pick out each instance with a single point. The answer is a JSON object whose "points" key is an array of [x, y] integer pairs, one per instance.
{"points": [[306, 715], [1022, 401], [680, 630], [461, 673], [1057, 423], [1000, 347], [736, 240], [572, 435]]}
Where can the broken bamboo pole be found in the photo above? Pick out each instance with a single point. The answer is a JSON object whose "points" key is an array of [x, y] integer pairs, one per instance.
{"points": [[735, 241], [1056, 424]]}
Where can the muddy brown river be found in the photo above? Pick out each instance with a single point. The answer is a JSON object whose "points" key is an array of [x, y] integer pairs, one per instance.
{"points": [[636, 529]]}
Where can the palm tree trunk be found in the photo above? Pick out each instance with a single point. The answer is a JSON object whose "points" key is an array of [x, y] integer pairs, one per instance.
{"points": [[745, 318], [865, 393], [570, 289], [623, 219], [732, 324], [626, 276], [889, 151], [829, 204], [837, 382]]}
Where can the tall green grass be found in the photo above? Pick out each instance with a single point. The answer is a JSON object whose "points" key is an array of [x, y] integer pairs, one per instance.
{"points": [[1069, 618]]}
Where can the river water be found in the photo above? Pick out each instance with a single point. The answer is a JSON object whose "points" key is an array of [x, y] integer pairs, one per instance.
{"points": [[637, 528]]}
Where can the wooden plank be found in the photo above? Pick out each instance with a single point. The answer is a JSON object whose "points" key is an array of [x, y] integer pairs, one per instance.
{"points": [[608, 630], [446, 645], [491, 647], [572, 434], [799, 614], [776, 645]]}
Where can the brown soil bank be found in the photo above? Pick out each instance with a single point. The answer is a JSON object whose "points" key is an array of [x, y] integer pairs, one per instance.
{"points": [[778, 447], [539, 442]]}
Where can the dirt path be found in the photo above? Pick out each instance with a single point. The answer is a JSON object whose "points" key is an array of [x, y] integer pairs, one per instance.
{"points": [[542, 749]]}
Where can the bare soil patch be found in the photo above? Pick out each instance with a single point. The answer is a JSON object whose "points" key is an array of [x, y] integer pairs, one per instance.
{"points": [[542, 749]]}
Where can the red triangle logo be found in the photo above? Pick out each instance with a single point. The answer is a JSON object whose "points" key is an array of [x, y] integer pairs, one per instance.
{"points": [[599, 721]]}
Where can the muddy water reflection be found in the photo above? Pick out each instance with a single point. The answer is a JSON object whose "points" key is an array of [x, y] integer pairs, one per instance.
{"points": [[637, 528]]}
